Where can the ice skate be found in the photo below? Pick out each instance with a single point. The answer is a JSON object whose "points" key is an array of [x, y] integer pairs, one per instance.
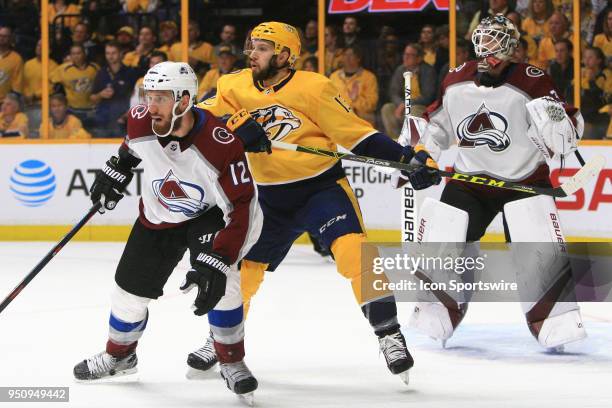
{"points": [[239, 379], [399, 360], [104, 365], [202, 360], [556, 350]]}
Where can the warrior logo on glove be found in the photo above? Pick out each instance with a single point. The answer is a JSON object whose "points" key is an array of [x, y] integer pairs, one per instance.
{"points": [[484, 128]]}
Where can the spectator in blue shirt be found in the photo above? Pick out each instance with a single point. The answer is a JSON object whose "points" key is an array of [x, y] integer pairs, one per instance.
{"points": [[111, 93]]}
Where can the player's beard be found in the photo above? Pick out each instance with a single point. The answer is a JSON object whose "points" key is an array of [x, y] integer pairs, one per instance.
{"points": [[166, 126], [268, 72]]}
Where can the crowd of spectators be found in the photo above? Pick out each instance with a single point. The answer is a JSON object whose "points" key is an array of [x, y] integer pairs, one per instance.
{"points": [[96, 67]]}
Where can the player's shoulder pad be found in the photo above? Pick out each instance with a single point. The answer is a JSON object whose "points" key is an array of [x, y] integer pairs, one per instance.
{"points": [[235, 77], [139, 122], [464, 72], [317, 86], [312, 79], [532, 81], [216, 143]]}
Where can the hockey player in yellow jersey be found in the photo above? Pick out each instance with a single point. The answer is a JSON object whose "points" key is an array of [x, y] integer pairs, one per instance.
{"points": [[300, 192]]}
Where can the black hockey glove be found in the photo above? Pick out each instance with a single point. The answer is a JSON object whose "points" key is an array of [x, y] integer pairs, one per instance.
{"points": [[252, 135], [209, 274], [426, 175], [110, 183]]}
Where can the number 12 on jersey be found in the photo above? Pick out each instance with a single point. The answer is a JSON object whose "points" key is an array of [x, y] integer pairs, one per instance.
{"points": [[239, 173]]}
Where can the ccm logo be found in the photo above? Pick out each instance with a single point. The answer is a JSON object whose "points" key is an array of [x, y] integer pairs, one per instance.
{"points": [[331, 222]]}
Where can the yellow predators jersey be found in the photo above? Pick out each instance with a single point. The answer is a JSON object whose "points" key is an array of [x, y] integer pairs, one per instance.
{"points": [[208, 82], [304, 108], [32, 77], [11, 73], [77, 83], [70, 129]]}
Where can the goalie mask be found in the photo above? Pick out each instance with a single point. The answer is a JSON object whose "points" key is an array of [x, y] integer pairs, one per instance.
{"points": [[495, 40], [177, 77]]}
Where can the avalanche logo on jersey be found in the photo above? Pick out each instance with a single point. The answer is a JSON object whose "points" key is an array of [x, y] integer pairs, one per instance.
{"points": [[484, 128], [276, 120], [180, 196]]}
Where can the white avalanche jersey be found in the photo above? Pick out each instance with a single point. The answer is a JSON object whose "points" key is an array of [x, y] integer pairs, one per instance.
{"points": [[489, 124], [184, 177]]}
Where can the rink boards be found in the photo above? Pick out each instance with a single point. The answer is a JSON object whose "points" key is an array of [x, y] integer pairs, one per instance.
{"points": [[45, 189]]}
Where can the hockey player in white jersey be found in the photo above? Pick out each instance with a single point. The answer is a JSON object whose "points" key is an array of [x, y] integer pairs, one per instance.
{"points": [[506, 119], [197, 194]]}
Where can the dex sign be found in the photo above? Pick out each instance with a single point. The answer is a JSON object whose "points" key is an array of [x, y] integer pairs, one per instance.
{"points": [[381, 6]]}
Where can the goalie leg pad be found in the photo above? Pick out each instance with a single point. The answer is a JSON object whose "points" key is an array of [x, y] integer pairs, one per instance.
{"points": [[440, 222], [544, 275], [436, 320], [534, 219], [560, 329], [438, 314]]}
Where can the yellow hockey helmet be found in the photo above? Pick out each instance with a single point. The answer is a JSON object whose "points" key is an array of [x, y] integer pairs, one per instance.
{"points": [[281, 35]]}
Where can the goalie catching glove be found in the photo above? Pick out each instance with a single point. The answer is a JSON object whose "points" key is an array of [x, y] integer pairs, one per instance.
{"points": [[209, 274], [110, 183], [252, 135], [551, 130]]}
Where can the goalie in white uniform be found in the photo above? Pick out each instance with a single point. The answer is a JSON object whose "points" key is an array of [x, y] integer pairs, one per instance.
{"points": [[506, 119]]}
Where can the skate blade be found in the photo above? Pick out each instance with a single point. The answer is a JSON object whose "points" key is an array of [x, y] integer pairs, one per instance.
{"points": [[405, 377], [120, 376], [195, 374], [247, 399]]}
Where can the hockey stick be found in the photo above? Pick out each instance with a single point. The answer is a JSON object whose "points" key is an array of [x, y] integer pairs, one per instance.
{"points": [[58, 247], [579, 157], [411, 202], [575, 183]]}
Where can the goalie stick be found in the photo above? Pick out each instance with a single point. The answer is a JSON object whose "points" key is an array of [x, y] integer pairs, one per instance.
{"points": [[411, 199], [575, 183], [58, 247]]}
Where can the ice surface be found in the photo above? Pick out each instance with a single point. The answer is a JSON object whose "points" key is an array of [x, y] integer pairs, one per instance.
{"points": [[307, 343]]}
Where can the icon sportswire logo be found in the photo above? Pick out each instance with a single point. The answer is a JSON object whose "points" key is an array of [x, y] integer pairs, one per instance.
{"points": [[32, 183]]}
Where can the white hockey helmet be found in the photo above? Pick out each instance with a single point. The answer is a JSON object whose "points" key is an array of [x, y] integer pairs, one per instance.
{"points": [[177, 77], [495, 40]]}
